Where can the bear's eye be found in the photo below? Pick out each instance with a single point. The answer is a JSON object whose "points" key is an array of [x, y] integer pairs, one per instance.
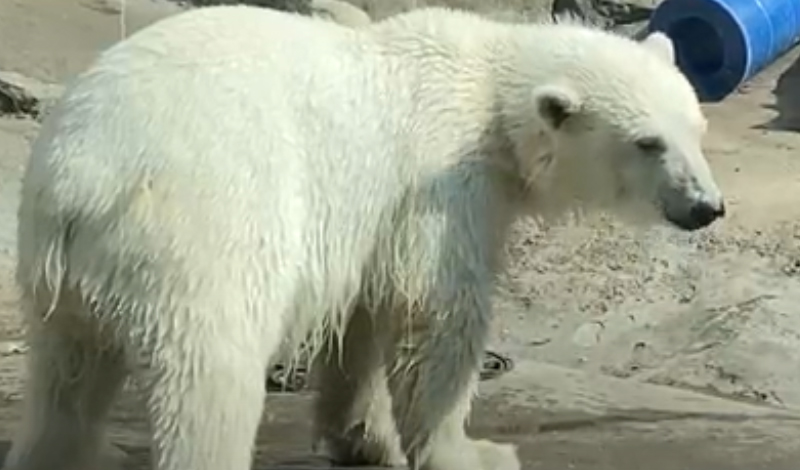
{"points": [[651, 145]]}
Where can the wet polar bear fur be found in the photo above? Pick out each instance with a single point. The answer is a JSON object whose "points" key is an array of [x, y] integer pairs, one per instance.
{"points": [[231, 180]]}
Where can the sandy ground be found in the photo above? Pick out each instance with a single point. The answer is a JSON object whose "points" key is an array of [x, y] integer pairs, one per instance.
{"points": [[636, 350]]}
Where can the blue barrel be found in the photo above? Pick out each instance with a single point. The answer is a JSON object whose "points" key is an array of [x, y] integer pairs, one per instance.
{"points": [[720, 44]]}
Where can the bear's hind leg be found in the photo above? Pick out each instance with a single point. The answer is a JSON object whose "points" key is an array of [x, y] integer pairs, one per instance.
{"points": [[201, 374], [354, 411], [72, 381]]}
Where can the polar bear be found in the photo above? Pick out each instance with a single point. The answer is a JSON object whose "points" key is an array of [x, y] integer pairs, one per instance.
{"points": [[192, 207]]}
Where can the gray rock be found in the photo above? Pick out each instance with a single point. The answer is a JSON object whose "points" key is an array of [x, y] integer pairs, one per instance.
{"points": [[627, 18], [25, 96], [296, 6]]}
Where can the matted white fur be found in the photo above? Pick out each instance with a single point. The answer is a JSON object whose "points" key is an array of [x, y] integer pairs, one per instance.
{"points": [[231, 180]]}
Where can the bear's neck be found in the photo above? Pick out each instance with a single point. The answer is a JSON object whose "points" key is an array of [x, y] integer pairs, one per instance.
{"points": [[543, 181]]}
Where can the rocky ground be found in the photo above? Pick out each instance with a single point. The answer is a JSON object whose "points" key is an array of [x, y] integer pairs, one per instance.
{"points": [[634, 350]]}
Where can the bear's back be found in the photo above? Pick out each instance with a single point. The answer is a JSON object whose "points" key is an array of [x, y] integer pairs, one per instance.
{"points": [[212, 96]]}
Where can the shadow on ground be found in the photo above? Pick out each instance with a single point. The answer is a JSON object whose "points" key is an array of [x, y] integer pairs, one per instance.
{"points": [[787, 100], [558, 418]]}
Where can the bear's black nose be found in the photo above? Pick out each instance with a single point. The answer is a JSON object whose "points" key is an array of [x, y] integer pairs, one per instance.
{"points": [[703, 214]]}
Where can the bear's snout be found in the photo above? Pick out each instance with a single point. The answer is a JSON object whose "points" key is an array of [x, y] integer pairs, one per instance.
{"points": [[705, 213], [700, 215]]}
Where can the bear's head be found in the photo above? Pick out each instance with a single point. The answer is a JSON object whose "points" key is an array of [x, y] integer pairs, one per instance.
{"points": [[620, 130]]}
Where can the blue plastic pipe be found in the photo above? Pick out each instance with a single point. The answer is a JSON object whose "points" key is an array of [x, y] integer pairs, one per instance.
{"points": [[720, 44]]}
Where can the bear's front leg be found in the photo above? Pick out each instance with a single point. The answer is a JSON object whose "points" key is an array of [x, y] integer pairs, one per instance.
{"points": [[353, 414], [432, 378]]}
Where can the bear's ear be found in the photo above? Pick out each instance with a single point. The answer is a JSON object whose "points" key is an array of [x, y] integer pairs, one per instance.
{"points": [[555, 104], [661, 45]]}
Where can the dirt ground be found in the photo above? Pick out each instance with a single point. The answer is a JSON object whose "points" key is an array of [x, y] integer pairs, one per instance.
{"points": [[635, 350]]}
